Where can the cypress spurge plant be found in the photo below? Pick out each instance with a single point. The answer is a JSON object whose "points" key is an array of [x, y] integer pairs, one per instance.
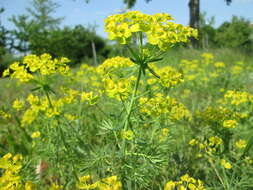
{"points": [[132, 29]]}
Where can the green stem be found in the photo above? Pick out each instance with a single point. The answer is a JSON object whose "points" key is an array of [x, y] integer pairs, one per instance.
{"points": [[48, 98], [67, 150], [129, 111]]}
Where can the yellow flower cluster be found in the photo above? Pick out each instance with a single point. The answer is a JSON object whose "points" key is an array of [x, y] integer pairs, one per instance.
{"points": [[160, 105], [109, 183], [207, 57], [18, 104], [43, 105], [159, 28], [237, 97], [43, 64], [90, 97], [186, 182], [116, 85], [10, 178], [169, 77], [241, 144], [127, 134], [4, 115], [112, 65], [35, 135], [230, 123], [225, 164], [120, 89], [220, 115], [209, 146]]}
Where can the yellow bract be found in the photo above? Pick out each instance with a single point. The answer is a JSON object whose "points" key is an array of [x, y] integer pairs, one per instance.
{"points": [[43, 64], [109, 183], [158, 28], [186, 182]]}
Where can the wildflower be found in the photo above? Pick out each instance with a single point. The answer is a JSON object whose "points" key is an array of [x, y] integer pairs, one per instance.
{"points": [[4, 115], [214, 141], [11, 166], [18, 105], [112, 65], [43, 64], [158, 28], [129, 135], [225, 164], [193, 142], [229, 123], [85, 182], [55, 186], [170, 185], [169, 77], [110, 183], [208, 57], [237, 97], [219, 64], [241, 144], [35, 134], [186, 182], [90, 97], [29, 185]]}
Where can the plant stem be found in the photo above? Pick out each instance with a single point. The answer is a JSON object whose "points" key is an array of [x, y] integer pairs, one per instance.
{"points": [[129, 111]]}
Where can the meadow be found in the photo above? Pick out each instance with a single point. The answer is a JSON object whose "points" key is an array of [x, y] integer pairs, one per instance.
{"points": [[159, 119]]}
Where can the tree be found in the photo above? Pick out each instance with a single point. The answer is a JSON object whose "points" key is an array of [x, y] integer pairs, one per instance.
{"points": [[2, 37], [74, 43], [234, 34], [32, 28], [206, 31]]}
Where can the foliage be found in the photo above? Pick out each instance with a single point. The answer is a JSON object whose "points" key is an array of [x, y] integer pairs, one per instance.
{"points": [[2, 38], [234, 34], [32, 29], [74, 43]]}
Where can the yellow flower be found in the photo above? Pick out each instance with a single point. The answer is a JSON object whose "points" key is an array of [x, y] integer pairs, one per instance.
{"points": [[43, 64], [85, 182], [29, 185], [18, 105], [170, 185], [229, 123], [214, 141], [193, 142], [129, 135], [225, 164], [219, 64], [11, 166], [241, 144], [35, 134], [158, 28], [185, 183], [110, 183], [4, 115], [90, 97], [55, 186]]}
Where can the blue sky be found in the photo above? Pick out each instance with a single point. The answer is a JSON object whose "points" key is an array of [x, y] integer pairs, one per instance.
{"points": [[78, 12]]}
